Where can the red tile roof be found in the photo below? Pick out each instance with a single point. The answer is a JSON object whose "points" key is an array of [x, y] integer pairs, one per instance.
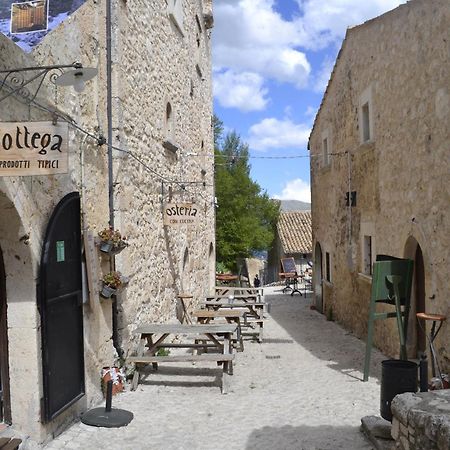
{"points": [[294, 230]]}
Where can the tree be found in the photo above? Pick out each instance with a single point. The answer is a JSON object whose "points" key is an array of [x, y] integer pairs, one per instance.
{"points": [[246, 217]]}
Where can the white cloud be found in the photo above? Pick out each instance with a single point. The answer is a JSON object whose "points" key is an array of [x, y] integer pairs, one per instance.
{"points": [[249, 35], [296, 190], [324, 22], [322, 78], [273, 133], [243, 91]]}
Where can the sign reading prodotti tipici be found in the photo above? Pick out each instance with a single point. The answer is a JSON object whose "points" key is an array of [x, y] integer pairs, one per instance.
{"points": [[177, 214], [33, 148]]}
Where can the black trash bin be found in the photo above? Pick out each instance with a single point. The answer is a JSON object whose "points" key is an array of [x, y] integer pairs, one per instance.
{"points": [[397, 376]]}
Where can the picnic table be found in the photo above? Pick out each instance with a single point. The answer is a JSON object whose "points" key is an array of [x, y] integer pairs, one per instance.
{"points": [[206, 316], [153, 337], [9, 443], [234, 290], [253, 315]]}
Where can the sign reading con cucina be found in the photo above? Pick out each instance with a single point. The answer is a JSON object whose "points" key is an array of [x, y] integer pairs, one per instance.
{"points": [[177, 214], [33, 148]]}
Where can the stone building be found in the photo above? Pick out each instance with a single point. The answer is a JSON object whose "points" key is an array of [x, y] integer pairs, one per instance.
{"points": [[152, 102], [292, 239], [380, 170]]}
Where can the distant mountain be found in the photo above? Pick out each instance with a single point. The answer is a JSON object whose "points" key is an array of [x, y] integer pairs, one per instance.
{"points": [[294, 205]]}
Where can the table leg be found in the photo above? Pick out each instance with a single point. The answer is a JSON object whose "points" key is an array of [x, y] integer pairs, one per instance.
{"points": [[136, 375], [151, 345], [227, 370]]}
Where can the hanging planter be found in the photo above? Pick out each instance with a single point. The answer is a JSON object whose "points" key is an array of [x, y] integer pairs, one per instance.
{"points": [[111, 241], [112, 283]]}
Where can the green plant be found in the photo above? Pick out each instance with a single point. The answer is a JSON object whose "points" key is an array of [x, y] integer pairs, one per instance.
{"points": [[221, 267], [163, 352], [113, 236], [113, 279]]}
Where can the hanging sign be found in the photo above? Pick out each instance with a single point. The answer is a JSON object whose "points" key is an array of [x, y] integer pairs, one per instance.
{"points": [[178, 214], [33, 148]]}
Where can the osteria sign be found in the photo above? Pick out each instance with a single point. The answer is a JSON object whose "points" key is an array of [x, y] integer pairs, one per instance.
{"points": [[33, 148], [178, 214]]}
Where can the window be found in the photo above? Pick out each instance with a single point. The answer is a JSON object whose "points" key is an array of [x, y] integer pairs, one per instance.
{"points": [[175, 10], [365, 122], [367, 255], [365, 116], [327, 267], [169, 122], [326, 147], [325, 152]]}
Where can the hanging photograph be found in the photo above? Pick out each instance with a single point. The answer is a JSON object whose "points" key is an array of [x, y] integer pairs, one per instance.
{"points": [[27, 22], [29, 17]]}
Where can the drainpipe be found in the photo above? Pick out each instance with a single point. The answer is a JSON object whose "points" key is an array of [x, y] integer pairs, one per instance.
{"points": [[115, 333]]}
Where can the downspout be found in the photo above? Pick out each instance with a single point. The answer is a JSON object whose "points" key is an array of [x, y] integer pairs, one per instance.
{"points": [[115, 333]]}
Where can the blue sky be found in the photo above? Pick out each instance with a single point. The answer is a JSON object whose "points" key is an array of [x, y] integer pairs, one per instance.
{"points": [[271, 62]]}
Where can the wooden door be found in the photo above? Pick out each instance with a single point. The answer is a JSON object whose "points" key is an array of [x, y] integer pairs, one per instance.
{"points": [[5, 404]]}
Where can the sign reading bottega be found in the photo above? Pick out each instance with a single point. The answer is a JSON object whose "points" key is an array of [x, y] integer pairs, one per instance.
{"points": [[33, 148], [177, 214]]}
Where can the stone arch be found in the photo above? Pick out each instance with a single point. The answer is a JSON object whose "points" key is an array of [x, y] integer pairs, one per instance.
{"points": [[22, 315], [317, 277], [416, 342]]}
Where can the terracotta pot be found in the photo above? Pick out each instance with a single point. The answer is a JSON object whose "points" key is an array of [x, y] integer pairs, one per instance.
{"points": [[112, 373]]}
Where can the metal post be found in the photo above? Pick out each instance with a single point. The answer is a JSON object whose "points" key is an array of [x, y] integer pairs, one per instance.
{"points": [[109, 387]]}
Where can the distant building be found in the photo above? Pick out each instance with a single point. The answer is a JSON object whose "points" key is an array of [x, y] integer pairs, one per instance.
{"points": [[293, 239], [380, 170]]}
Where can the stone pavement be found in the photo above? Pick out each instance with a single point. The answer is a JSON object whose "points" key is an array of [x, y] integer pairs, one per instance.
{"points": [[300, 389]]}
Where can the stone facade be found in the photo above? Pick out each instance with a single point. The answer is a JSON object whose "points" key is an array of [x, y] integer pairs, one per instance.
{"points": [[161, 91], [421, 421], [380, 170]]}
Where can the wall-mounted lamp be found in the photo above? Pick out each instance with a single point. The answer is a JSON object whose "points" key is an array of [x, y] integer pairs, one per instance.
{"points": [[76, 77], [15, 82]]}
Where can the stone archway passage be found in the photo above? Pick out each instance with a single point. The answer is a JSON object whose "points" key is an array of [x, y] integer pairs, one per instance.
{"points": [[5, 402], [317, 274]]}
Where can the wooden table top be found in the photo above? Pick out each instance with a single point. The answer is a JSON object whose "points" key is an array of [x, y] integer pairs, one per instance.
{"points": [[427, 316], [234, 304], [220, 313], [162, 328]]}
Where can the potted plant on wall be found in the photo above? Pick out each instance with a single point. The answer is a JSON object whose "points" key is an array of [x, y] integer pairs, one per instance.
{"points": [[111, 241], [112, 282]]}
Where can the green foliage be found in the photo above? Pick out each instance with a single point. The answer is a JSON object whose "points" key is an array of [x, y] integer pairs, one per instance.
{"points": [[163, 352], [246, 216]]}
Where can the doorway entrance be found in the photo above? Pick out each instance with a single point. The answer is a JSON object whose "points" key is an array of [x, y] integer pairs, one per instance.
{"points": [[60, 303], [416, 336], [5, 402], [317, 274]]}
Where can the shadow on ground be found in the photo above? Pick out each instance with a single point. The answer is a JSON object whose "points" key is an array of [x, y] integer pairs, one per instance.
{"points": [[181, 376], [307, 438], [324, 339]]}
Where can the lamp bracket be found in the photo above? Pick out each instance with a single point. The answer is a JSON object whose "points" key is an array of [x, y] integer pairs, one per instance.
{"points": [[26, 82]]}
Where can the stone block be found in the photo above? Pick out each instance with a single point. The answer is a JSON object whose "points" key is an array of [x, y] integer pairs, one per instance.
{"points": [[395, 430]]}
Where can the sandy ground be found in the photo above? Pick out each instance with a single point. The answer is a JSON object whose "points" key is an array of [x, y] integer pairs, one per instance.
{"points": [[300, 389]]}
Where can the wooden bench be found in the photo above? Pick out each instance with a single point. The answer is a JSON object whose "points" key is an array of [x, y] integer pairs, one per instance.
{"points": [[253, 313], [8, 443], [205, 316], [152, 339]]}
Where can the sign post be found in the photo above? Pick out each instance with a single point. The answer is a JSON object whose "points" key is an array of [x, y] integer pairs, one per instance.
{"points": [[179, 214], [33, 148]]}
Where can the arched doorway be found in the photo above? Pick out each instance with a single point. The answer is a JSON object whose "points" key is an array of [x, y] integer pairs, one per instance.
{"points": [[416, 342], [5, 403], [317, 275]]}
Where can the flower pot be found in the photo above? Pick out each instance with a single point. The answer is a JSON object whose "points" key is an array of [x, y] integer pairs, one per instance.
{"points": [[106, 246], [107, 291], [114, 374]]}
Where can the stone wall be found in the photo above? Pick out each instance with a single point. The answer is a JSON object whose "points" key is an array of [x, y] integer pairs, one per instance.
{"points": [[153, 64], [421, 421], [399, 64]]}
